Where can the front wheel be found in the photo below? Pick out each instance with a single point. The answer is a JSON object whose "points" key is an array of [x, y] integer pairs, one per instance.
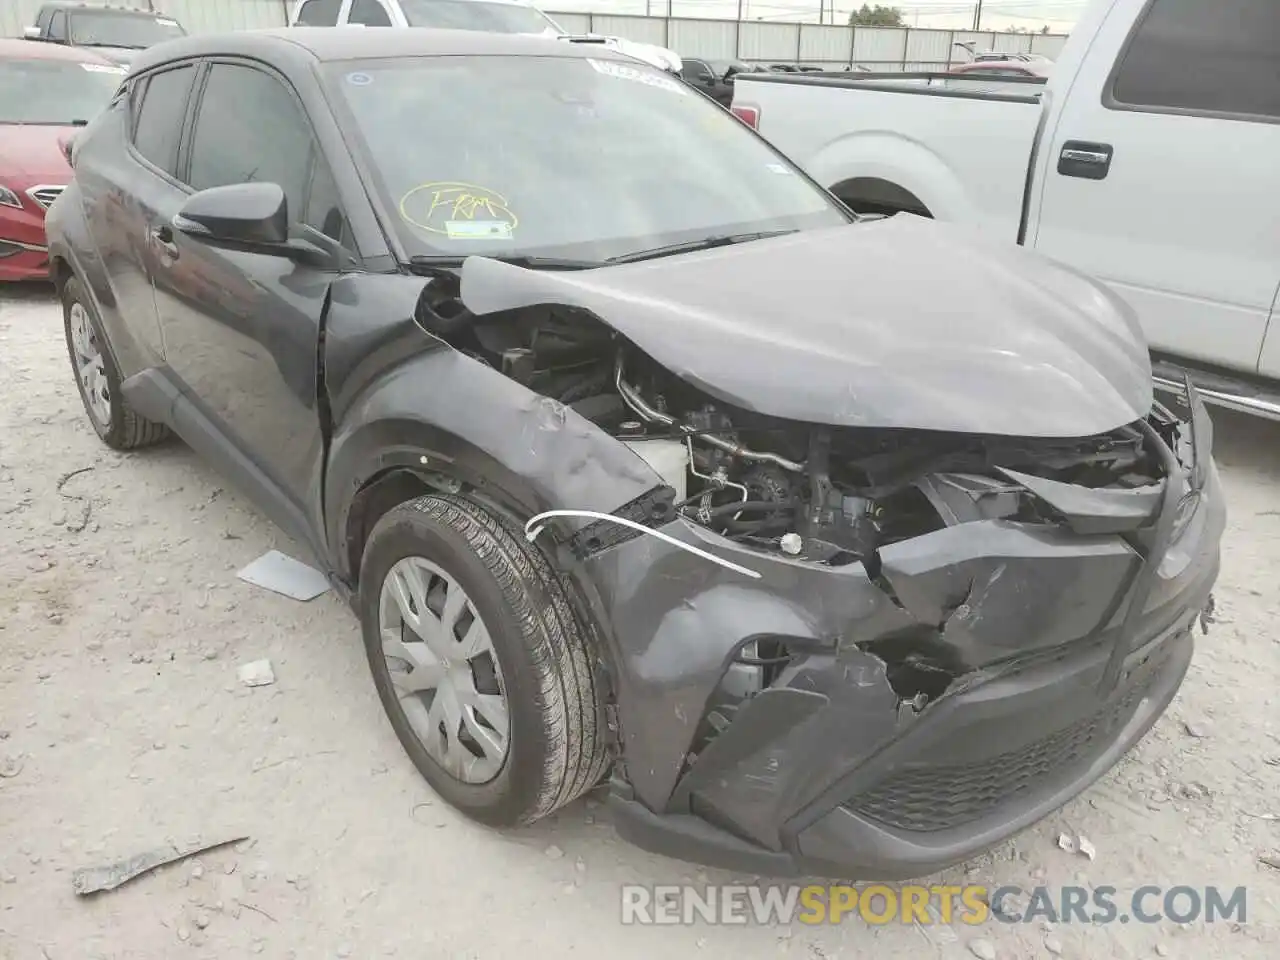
{"points": [[487, 675]]}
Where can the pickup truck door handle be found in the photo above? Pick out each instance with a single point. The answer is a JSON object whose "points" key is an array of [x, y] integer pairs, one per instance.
{"points": [[1088, 161]]}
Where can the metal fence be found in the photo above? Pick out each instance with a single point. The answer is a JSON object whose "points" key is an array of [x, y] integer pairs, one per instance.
{"points": [[878, 48]]}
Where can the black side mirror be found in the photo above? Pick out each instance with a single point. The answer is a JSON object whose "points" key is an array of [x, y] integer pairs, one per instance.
{"points": [[251, 216]]}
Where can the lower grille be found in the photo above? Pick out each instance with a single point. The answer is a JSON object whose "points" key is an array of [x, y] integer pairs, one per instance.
{"points": [[942, 797]]}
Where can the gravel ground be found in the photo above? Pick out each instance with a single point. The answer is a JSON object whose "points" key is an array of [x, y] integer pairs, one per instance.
{"points": [[122, 726]]}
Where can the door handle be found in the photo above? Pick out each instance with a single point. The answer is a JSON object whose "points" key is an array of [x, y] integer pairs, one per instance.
{"points": [[1085, 160], [162, 237]]}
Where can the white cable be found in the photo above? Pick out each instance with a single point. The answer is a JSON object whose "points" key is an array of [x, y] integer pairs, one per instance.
{"points": [[531, 533]]}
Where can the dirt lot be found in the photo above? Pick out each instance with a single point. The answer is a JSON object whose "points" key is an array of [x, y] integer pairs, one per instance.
{"points": [[122, 726]]}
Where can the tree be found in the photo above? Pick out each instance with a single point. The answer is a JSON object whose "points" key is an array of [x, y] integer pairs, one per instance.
{"points": [[877, 16]]}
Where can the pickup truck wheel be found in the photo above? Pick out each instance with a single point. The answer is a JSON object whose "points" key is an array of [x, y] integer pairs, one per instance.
{"points": [[117, 424], [486, 674]]}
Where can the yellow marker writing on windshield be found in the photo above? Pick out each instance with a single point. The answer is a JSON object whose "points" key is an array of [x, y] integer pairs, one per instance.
{"points": [[444, 206]]}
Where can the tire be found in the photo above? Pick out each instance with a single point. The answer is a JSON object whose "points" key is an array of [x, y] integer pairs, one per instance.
{"points": [[557, 743], [117, 424]]}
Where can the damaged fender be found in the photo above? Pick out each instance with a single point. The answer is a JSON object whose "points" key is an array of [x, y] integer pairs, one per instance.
{"points": [[403, 399]]}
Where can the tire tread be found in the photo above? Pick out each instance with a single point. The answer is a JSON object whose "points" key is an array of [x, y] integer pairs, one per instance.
{"points": [[560, 644]]}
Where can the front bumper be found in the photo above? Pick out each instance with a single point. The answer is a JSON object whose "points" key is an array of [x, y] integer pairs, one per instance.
{"points": [[837, 768], [23, 263], [24, 254], [985, 765]]}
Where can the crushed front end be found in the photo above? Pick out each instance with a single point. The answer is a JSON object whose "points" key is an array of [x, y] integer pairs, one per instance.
{"points": [[868, 622], [949, 635]]}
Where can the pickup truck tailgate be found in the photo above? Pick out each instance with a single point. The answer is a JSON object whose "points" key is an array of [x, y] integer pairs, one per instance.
{"points": [[962, 150]]}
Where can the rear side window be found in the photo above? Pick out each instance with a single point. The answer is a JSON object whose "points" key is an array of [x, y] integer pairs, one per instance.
{"points": [[159, 109], [370, 13], [1201, 57], [319, 13]]}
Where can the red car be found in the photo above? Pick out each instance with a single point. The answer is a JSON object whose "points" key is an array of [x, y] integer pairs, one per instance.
{"points": [[46, 93]]}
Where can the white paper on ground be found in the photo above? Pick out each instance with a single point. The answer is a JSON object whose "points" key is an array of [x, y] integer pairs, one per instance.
{"points": [[284, 575], [257, 674]]}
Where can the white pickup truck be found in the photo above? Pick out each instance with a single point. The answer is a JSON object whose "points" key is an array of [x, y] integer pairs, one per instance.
{"points": [[1149, 158]]}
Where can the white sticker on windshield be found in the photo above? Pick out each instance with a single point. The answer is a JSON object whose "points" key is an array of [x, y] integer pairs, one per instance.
{"points": [[637, 75], [103, 68], [778, 168], [166, 21], [478, 229]]}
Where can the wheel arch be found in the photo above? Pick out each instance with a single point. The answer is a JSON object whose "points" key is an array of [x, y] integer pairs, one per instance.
{"points": [[517, 460], [370, 475], [873, 195], [60, 271], [879, 164]]}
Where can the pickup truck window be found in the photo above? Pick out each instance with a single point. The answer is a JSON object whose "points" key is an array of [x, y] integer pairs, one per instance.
{"points": [[371, 13], [1207, 58], [477, 15], [318, 13], [58, 26], [115, 29]]}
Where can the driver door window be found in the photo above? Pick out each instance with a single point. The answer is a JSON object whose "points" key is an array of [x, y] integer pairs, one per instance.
{"points": [[370, 13], [58, 27], [251, 128]]}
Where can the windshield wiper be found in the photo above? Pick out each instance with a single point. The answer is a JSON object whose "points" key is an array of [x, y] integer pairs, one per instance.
{"points": [[434, 263], [688, 246]]}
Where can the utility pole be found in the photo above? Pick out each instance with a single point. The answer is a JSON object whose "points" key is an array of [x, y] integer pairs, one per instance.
{"points": [[977, 17]]}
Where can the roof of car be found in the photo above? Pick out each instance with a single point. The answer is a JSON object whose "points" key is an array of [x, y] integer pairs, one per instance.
{"points": [[36, 50], [98, 7], [345, 43]]}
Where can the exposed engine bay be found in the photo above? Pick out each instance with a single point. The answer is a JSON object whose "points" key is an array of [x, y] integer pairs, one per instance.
{"points": [[830, 495]]}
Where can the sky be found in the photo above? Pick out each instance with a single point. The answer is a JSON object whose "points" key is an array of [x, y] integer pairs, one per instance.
{"points": [[1058, 15]]}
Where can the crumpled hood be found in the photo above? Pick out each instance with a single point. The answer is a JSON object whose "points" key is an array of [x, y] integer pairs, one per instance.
{"points": [[900, 322]]}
